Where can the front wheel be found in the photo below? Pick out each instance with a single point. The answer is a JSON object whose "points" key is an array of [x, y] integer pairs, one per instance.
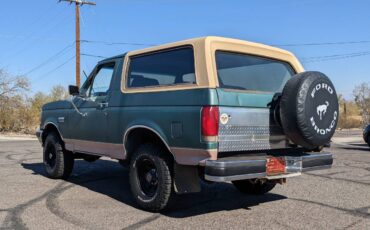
{"points": [[254, 187], [57, 161], [368, 139], [150, 178]]}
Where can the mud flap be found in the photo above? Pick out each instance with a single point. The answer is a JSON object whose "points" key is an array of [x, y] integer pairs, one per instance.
{"points": [[186, 179]]}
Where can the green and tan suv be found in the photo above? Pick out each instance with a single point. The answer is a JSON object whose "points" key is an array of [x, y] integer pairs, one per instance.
{"points": [[211, 108]]}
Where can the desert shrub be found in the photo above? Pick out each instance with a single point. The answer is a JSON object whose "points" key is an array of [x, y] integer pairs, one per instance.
{"points": [[362, 99], [20, 112], [349, 122]]}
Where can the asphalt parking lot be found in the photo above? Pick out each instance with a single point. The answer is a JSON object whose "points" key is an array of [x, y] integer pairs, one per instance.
{"points": [[97, 196]]}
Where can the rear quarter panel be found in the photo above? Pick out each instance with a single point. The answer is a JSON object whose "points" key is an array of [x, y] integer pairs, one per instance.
{"points": [[175, 115]]}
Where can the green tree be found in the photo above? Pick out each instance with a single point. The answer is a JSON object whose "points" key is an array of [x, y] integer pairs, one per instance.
{"points": [[58, 92]]}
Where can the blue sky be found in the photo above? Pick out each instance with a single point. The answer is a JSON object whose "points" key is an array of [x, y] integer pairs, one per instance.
{"points": [[37, 36]]}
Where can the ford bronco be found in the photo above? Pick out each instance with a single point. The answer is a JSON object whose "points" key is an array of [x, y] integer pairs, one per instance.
{"points": [[211, 108]]}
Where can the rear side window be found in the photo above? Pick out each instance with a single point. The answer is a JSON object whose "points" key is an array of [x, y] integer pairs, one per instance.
{"points": [[171, 67], [248, 72]]}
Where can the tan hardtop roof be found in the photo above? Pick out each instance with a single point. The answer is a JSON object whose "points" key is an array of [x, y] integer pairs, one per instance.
{"points": [[243, 42], [204, 59], [207, 40]]}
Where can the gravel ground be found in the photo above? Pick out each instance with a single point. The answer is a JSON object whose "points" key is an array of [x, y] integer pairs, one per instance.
{"points": [[97, 196]]}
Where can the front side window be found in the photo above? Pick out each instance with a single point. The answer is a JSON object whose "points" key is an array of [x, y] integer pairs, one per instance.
{"points": [[171, 67], [98, 84], [102, 81], [248, 72]]}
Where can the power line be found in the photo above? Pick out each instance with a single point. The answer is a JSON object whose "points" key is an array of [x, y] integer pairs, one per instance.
{"points": [[292, 44], [118, 43], [337, 55], [334, 57], [304, 59], [24, 44], [54, 69], [92, 55], [40, 18], [324, 43], [34, 38], [50, 59]]}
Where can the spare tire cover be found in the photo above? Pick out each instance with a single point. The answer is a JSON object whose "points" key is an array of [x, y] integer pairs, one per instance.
{"points": [[309, 109]]}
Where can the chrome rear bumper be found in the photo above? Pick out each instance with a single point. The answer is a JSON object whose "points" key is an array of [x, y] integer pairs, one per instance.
{"points": [[253, 167]]}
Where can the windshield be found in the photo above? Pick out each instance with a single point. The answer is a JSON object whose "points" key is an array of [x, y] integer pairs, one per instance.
{"points": [[248, 72]]}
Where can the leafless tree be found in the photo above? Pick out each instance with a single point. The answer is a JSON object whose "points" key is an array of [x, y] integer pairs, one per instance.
{"points": [[13, 113], [362, 99], [12, 85], [20, 112]]}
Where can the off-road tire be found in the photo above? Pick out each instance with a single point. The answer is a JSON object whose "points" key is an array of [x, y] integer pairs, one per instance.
{"points": [[254, 187], [368, 139], [63, 160], [163, 191]]}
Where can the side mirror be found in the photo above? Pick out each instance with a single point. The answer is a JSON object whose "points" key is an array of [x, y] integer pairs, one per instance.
{"points": [[73, 90]]}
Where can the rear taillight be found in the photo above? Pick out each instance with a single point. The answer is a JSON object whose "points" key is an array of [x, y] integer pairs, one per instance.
{"points": [[210, 117]]}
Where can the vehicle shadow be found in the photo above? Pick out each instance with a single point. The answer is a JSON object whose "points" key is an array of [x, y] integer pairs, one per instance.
{"points": [[366, 149], [111, 179], [360, 144], [355, 146]]}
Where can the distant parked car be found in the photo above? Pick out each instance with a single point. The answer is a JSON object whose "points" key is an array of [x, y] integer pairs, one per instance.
{"points": [[367, 135]]}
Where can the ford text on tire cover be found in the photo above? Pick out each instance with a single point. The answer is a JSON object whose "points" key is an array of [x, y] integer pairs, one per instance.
{"points": [[211, 108]]}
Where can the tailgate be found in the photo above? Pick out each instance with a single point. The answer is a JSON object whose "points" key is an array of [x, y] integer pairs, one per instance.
{"points": [[248, 124], [247, 85]]}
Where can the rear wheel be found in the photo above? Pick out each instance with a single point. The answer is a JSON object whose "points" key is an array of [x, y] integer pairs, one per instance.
{"points": [[254, 187], [57, 161], [150, 178], [368, 139]]}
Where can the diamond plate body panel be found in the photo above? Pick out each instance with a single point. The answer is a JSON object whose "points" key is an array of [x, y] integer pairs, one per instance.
{"points": [[249, 129]]}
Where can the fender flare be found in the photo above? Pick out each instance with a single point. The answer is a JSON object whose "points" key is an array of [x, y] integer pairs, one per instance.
{"points": [[138, 126], [186, 178], [50, 124]]}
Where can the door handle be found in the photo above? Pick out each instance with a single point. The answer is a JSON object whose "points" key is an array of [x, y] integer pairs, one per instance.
{"points": [[103, 105]]}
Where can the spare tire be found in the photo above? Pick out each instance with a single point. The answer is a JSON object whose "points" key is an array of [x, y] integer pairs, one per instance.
{"points": [[309, 109]]}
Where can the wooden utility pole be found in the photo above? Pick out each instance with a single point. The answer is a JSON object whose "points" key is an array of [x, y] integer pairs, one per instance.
{"points": [[78, 44], [78, 3]]}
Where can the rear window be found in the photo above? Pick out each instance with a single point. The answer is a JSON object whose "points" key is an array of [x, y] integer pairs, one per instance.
{"points": [[171, 67], [248, 72]]}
